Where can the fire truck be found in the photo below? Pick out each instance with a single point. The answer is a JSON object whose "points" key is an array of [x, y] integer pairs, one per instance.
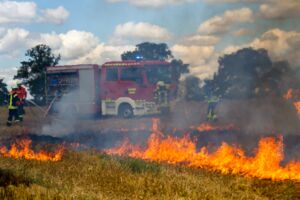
{"points": [[123, 88]]}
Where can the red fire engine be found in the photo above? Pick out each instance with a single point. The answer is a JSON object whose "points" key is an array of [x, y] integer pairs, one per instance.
{"points": [[124, 88]]}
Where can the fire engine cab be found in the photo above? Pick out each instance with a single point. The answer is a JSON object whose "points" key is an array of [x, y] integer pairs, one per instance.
{"points": [[124, 88]]}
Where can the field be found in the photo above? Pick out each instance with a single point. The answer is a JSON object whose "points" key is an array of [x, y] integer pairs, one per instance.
{"points": [[91, 174]]}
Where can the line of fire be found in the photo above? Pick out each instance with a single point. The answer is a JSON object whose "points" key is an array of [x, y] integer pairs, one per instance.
{"points": [[126, 90], [194, 120]]}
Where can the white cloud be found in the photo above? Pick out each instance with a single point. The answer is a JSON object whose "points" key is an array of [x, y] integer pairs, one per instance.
{"points": [[137, 32], [74, 46], [76, 43], [152, 3], [233, 48], [103, 53], [201, 40], [8, 75], [56, 16], [28, 12], [51, 39], [12, 40], [221, 24], [282, 45], [243, 32], [15, 12], [202, 59], [279, 9]]}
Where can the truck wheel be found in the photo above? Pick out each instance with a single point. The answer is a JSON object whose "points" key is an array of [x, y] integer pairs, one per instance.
{"points": [[125, 111]]}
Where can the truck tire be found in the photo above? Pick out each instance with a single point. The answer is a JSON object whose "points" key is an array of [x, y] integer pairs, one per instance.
{"points": [[125, 111]]}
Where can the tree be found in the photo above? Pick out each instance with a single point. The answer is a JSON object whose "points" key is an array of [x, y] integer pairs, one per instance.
{"points": [[179, 68], [149, 51], [276, 80], [33, 71], [193, 90], [153, 51], [3, 93], [246, 73]]}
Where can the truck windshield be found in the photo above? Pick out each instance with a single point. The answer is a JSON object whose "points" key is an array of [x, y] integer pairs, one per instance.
{"points": [[157, 73]]}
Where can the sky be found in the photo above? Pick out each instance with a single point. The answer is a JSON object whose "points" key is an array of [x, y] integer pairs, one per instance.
{"points": [[196, 31]]}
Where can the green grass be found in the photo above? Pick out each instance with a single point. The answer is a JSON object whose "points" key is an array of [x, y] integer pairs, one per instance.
{"points": [[90, 175]]}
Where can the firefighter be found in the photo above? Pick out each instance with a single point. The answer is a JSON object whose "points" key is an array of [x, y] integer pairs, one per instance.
{"points": [[212, 101], [13, 103], [22, 95], [162, 97]]}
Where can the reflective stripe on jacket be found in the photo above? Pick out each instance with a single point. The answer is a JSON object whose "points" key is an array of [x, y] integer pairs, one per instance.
{"points": [[213, 99], [13, 99], [161, 96]]}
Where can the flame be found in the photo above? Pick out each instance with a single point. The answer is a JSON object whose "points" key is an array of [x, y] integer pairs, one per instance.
{"points": [[297, 106], [289, 94], [205, 127], [293, 94], [227, 159], [21, 149]]}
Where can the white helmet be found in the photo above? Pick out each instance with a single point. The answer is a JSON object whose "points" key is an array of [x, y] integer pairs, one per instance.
{"points": [[14, 86], [160, 83], [18, 83]]}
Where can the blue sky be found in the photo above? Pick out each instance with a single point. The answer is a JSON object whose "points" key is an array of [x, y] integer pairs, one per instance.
{"points": [[197, 31]]}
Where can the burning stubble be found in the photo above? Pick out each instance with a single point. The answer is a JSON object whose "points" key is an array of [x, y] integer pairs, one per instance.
{"points": [[22, 149], [227, 159]]}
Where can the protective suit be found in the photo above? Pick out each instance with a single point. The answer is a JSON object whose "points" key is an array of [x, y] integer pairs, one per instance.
{"points": [[162, 97], [13, 103], [212, 104]]}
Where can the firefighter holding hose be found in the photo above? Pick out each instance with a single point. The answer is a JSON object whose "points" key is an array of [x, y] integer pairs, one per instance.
{"points": [[13, 103], [162, 97], [212, 101], [22, 95]]}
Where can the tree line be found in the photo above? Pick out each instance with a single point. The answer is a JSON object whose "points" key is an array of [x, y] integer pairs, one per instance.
{"points": [[246, 73], [3, 93]]}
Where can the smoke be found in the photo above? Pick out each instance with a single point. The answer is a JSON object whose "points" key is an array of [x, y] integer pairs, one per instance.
{"points": [[73, 99], [255, 118], [261, 116], [65, 118]]}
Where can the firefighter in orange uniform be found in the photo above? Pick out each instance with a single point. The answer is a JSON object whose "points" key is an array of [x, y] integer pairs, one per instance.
{"points": [[13, 103], [22, 95]]}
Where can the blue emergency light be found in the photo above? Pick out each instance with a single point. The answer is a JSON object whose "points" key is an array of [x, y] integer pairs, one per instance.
{"points": [[139, 57]]}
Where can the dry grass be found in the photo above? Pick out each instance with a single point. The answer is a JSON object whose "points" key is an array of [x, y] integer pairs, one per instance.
{"points": [[32, 123], [35, 122], [90, 175], [262, 116]]}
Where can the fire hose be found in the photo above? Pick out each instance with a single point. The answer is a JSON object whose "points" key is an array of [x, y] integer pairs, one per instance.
{"points": [[50, 106], [39, 107], [43, 110]]}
